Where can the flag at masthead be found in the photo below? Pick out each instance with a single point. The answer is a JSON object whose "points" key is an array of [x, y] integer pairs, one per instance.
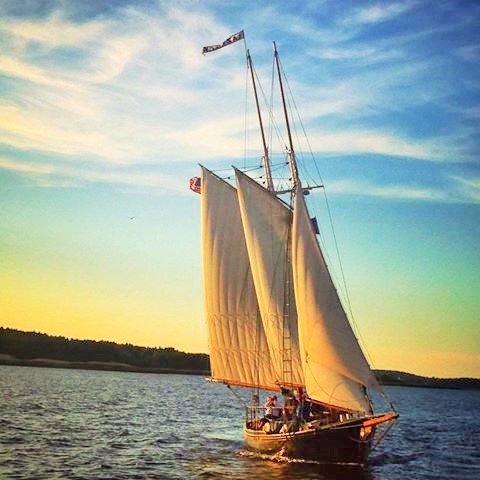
{"points": [[232, 39]]}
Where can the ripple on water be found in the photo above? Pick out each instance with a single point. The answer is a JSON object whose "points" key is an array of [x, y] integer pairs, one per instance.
{"points": [[112, 425]]}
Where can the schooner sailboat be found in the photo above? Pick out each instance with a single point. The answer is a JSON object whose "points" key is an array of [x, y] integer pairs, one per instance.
{"points": [[275, 319]]}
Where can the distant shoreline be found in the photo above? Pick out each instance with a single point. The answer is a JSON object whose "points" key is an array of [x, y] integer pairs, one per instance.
{"points": [[384, 376], [403, 379], [101, 366], [38, 349], [35, 349]]}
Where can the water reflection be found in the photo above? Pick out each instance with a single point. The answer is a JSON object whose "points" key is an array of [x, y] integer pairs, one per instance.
{"points": [[112, 425]]}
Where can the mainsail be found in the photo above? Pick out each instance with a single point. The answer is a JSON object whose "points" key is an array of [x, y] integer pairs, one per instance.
{"points": [[334, 365], [238, 350], [267, 225]]}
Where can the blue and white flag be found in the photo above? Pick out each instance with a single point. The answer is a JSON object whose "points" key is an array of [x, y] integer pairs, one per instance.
{"points": [[232, 39]]}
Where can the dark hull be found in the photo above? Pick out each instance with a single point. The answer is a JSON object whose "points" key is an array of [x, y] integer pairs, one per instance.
{"points": [[340, 444]]}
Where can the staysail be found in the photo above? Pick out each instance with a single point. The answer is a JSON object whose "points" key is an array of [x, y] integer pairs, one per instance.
{"points": [[334, 365], [238, 350], [267, 225]]}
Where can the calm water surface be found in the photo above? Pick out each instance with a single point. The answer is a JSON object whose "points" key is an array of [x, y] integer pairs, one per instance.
{"points": [[80, 424]]}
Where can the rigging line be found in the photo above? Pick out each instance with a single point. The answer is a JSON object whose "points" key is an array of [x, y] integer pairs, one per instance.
{"points": [[282, 164], [257, 343], [229, 177], [258, 325], [303, 128], [236, 394], [331, 395], [246, 112], [287, 364], [289, 96], [323, 244], [246, 169], [325, 251], [344, 281], [296, 110], [344, 290], [347, 296], [304, 164], [315, 163], [272, 123], [322, 240], [270, 106], [383, 435], [279, 166]]}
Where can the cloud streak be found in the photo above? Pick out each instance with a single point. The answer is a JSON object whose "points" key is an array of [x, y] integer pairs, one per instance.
{"points": [[131, 89], [50, 175], [380, 12]]}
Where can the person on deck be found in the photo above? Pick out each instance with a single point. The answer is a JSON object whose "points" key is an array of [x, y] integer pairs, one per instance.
{"points": [[272, 412], [290, 408], [304, 405]]}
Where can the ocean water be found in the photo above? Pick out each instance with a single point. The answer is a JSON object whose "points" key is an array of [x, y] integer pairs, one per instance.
{"points": [[78, 424]]}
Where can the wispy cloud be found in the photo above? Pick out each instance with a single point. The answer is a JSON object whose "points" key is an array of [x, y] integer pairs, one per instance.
{"points": [[463, 191], [127, 96], [15, 68], [27, 168], [397, 192], [381, 12], [364, 141], [469, 52], [40, 131], [51, 175], [131, 88], [55, 31], [469, 188]]}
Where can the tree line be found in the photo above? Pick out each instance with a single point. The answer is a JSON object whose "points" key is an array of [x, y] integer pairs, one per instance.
{"points": [[32, 345], [27, 346]]}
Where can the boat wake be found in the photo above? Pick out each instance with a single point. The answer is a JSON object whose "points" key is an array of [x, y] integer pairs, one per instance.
{"points": [[281, 458]]}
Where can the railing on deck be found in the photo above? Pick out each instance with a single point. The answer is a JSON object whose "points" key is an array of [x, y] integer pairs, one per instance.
{"points": [[253, 413], [255, 419]]}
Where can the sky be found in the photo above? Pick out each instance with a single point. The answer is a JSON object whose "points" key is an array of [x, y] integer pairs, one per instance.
{"points": [[106, 109]]}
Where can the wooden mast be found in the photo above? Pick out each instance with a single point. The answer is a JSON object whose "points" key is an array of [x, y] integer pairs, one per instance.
{"points": [[265, 158], [291, 154], [287, 360], [267, 170]]}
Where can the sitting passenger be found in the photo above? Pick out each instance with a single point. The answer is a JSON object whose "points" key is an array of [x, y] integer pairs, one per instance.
{"points": [[272, 412]]}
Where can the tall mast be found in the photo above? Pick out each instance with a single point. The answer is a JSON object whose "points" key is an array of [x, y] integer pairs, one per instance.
{"points": [[265, 158], [291, 154], [287, 366]]}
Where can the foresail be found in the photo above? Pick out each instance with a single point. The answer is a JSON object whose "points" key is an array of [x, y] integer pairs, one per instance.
{"points": [[238, 348], [267, 224], [334, 365]]}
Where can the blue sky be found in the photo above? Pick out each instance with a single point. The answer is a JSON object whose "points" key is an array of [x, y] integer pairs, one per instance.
{"points": [[107, 107]]}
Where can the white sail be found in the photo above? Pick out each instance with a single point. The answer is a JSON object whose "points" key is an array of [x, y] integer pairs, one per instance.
{"points": [[334, 365], [238, 350], [267, 223]]}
